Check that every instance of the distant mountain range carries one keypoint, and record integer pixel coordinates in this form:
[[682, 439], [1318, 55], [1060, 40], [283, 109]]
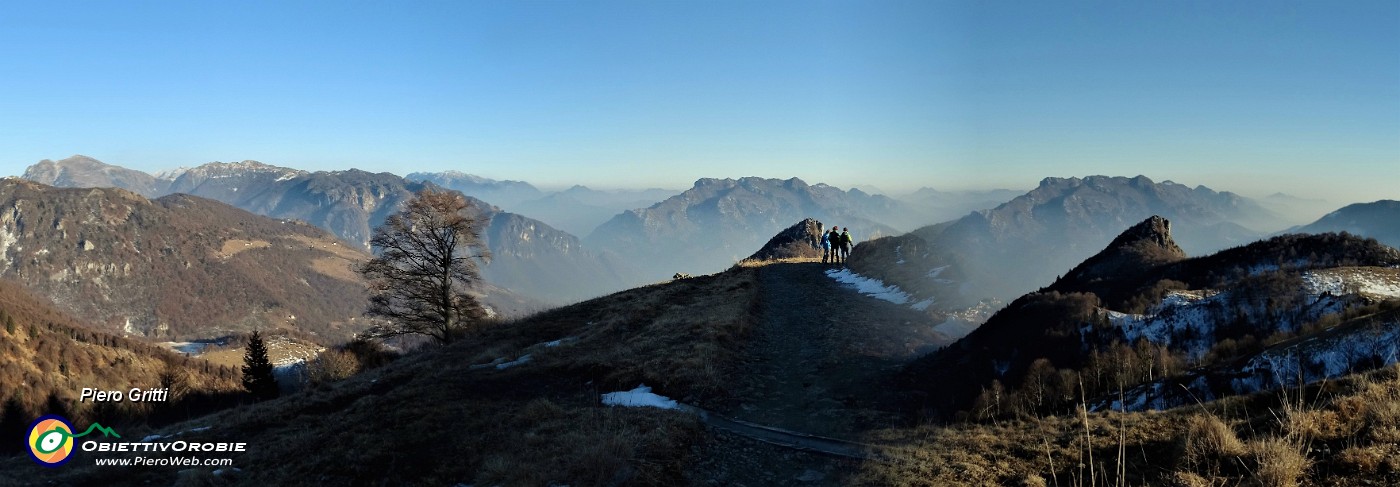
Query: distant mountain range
[[721, 221], [529, 257], [1298, 210], [505, 194], [1379, 220], [577, 210], [1011, 249], [941, 206], [991, 249]]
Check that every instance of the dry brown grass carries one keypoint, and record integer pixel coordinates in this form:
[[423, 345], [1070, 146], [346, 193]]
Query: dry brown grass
[[328, 244], [1189, 479], [752, 263], [1346, 432], [1207, 440], [336, 267], [233, 246], [679, 337], [1370, 459], [1011, 452], [279, 348], [341, 261], [1318, 424], [1281, 463]]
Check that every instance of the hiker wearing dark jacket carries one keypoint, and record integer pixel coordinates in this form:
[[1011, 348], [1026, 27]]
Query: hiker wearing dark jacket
[[835, 239], [846, 243]]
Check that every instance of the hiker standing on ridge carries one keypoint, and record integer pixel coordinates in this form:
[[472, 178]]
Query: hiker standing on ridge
[[846, 244], [826, 246], [835, 239], [817, 239]]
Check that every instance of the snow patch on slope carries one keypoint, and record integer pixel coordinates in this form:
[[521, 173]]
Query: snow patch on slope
[[524, 359], [937, 271], [639, 397], [1374, 281], [1187, 320], [870, 287], [1326, 357]]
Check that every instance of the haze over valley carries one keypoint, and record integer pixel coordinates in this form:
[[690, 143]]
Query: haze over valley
[[807, 243]]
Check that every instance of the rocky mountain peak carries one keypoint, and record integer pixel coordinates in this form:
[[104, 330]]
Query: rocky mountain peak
[[81, 171], [215, 169], [802, 240], [1155, 230], [1142, 246]]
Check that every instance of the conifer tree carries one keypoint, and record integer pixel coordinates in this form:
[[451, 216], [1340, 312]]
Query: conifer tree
[[257, 369]]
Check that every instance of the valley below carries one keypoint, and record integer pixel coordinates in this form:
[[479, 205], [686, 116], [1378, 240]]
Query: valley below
[[911, 364]]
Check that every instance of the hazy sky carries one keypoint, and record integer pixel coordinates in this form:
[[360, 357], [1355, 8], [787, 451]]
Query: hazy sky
[[1255, 97]]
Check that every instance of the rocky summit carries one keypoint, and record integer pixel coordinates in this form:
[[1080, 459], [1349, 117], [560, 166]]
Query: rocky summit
[[802, 240]]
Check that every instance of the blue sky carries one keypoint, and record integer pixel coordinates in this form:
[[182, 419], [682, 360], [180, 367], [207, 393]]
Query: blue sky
[[1256, 97]]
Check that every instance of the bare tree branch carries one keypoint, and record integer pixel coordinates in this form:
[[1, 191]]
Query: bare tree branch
[[427, 263]]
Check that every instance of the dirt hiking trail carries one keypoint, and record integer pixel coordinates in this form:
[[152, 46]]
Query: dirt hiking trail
[[822, 356]]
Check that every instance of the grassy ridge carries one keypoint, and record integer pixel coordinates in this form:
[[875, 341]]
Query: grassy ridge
[[447, 416]]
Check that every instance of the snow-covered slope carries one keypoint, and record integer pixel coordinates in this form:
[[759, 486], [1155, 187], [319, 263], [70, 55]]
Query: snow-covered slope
[[955, 322], [1188, 321]]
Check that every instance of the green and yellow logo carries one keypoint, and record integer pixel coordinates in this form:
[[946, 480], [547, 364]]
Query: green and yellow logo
[[51, 439]]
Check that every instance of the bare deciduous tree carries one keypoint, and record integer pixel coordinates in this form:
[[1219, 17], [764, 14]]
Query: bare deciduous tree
[[427, 264]]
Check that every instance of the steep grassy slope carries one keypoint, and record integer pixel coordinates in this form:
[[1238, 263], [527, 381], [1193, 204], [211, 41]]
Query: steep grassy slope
[[450, 416]]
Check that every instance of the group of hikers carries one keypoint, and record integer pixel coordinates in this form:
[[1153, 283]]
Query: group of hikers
[[836, 246]]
